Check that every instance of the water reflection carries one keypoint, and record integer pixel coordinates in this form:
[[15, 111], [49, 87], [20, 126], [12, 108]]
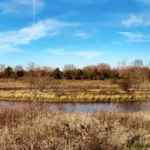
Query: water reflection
[[109, 107], [85, 107]]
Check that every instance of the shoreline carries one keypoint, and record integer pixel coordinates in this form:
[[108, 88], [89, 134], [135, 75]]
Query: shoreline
[[69, 101]]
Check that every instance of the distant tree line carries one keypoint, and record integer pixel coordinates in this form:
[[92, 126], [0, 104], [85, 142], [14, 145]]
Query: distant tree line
[[94, 72], [100, 71], [134, 75], [124, 75]]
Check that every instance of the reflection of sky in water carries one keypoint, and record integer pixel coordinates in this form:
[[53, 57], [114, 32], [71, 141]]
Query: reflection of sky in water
[[86, 107], [109, 107]]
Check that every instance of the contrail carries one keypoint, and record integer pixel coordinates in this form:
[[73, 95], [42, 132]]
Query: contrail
[[33, 10]]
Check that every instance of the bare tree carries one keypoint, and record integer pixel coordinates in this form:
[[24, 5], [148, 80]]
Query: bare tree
[[41, 78], [103, 66], [69, 71], [69, 67], [2, 69], [31, 70], [122, 68], [18, 68], [140, 76], [90, 72], [125, 81], [136, 73], [31, 66], [137, 63], [135, 77], [145, 79]]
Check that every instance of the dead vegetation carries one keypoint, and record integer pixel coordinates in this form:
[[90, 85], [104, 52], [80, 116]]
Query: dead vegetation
[[43, 130]]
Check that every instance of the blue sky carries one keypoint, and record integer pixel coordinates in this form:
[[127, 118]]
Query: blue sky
[[79, 32]]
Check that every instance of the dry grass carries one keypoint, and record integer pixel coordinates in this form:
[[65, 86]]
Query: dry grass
[[74, 96], [59, 84], [67, 91], [83, 84], [42, 130], [11, 83]]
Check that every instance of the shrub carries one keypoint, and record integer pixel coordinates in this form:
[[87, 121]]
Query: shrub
[[125, 84]]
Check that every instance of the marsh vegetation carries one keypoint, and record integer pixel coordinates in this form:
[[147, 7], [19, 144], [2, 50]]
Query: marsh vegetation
[[40, 129], [93, 83]]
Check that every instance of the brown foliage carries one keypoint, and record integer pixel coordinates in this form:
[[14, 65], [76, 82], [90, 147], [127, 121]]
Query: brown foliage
[[43, 130]]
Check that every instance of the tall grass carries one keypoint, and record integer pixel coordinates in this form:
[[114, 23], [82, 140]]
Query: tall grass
[[89, 96], [35, 128]]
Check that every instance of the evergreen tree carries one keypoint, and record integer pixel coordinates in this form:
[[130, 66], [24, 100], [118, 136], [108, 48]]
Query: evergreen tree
[[8, 71], [57, 74]]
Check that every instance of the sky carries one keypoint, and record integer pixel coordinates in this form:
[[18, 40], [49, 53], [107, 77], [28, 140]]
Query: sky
[[79, 32]]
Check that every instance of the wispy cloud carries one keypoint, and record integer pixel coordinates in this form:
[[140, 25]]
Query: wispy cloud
[[133, 21], [144, 1], [84, 54], [136, 20], [17, 6], [5, 48], [50, 27], [135, 37], [82, 35]]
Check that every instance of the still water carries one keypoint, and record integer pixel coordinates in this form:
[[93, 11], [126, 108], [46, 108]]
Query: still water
[[84, 107]]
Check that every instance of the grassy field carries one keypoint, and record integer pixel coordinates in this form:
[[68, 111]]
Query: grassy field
[[67, 91], [57, 84], [74, 96], [38, 129]]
